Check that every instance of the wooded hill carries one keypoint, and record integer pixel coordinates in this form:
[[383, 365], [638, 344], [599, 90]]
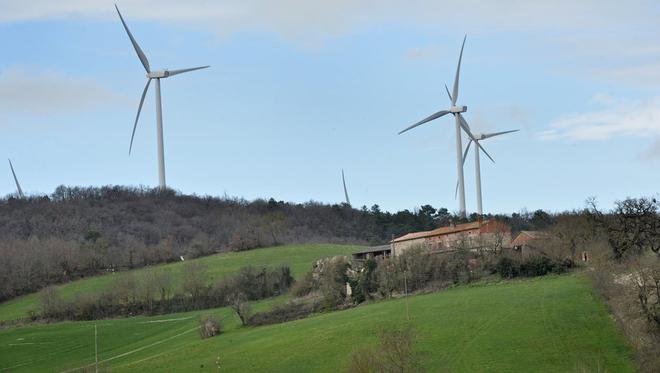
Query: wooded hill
[[82, 231]]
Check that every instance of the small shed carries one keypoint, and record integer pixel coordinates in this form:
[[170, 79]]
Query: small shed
[[374, 252]]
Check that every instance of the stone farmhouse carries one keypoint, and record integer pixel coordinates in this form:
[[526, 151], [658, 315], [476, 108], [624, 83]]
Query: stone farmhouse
[[479, 235]]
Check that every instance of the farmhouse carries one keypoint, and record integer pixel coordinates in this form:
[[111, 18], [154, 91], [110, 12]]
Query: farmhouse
[[486, 234]]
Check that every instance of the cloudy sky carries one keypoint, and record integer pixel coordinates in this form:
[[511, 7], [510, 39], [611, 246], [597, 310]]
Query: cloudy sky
[[300, 89]]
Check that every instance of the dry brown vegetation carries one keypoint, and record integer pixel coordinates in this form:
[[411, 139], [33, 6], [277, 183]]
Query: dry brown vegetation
[[395, 353]]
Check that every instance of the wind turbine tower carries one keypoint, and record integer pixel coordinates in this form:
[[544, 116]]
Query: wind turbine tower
[[476, 138], [157, 76], [456, 111]]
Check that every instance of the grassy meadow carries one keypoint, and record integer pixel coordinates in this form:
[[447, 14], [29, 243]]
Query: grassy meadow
[[549, 324], [298, 257]]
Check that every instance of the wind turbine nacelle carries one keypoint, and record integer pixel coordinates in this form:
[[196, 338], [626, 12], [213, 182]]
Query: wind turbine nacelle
[[458, 109], [158, 74]]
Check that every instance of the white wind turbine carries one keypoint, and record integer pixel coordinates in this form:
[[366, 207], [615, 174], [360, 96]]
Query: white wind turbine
[[157, 76], [476, 138], [343, 180], [460, 123], [19, 191]]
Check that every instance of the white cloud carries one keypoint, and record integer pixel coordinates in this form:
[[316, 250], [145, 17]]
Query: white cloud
[[51, 93], [615, 117], [337, 16], [606, 40]]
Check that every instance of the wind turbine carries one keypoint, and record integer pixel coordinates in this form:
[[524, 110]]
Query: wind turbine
[[157, 76], [343, 180], [477, 166], [460, 123], [18, 186]]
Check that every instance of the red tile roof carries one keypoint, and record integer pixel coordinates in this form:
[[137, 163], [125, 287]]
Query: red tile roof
[[527, 237], [441, 231]]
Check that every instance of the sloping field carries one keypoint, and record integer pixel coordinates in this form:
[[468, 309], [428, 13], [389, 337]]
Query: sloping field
[[299, 257], [551, 324]]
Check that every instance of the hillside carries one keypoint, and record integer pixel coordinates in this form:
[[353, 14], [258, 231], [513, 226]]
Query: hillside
[[299, 257], [79, 232], [546, 324]]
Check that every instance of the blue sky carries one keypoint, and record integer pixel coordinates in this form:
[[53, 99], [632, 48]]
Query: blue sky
[[299, 90]]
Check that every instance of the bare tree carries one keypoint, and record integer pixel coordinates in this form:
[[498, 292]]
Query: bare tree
[[632, 228], [238, 302]]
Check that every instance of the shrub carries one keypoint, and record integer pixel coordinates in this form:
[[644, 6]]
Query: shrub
[[332, 281], [209, 326], [51, 302], [303, 286], [395, 353], [507, 267], [285, 312], [261, 282], [647, 279], [534, 265]]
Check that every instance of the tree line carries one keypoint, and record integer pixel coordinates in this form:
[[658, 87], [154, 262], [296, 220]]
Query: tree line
[[83, 231]]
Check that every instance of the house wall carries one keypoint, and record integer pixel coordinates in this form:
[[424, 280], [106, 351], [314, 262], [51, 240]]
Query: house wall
[[399, 248]]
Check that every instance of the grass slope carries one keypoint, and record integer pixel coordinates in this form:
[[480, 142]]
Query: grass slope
[[299, 257], [548, 324]]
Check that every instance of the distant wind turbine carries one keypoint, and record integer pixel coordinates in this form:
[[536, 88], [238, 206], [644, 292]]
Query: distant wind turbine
[[19, 191], [155, 75], [477, 166], [343, 180], [460, 123]]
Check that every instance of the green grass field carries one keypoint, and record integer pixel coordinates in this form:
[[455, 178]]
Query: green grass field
[[299, 257], [551, 324]]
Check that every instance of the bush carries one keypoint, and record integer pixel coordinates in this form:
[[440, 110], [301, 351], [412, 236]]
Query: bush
[[261, 282], [152, 294], [332, 281], [51, 302], [534, 265], [209, 326], [395, 353], [285, 312], [507, 267], [303, 286], [647, 279]]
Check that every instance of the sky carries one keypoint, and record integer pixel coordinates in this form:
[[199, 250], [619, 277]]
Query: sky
[[299, 89]]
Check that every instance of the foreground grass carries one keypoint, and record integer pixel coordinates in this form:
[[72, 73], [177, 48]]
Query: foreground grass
[[548, 324], [299, 257]]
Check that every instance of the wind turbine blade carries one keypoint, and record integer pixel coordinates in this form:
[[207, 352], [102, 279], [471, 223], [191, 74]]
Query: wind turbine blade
[[448, 94], [18, 186], [144, 93], [181, 71], [343, 179], [428, 119], [465, 126], [497, 134], [467, 148], [484, 150], [458, 73], [139, 52]]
